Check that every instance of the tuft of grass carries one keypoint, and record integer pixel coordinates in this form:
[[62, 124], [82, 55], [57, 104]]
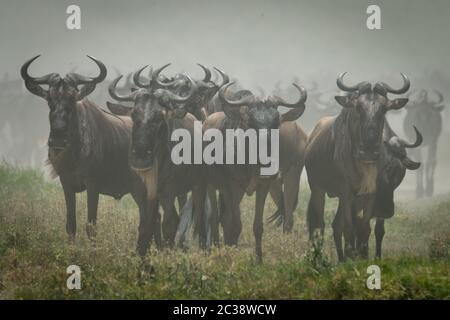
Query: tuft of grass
[[35, 253]]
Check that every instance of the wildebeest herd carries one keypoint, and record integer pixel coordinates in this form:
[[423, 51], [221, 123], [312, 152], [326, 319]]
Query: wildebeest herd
[[354, 155]]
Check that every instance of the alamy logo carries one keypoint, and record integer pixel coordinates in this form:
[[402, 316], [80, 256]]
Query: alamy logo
[[74, 280], [374, 280], [73, 21], [373, 21], [241, 147]]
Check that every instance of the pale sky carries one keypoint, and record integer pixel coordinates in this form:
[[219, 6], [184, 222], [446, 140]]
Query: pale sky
[[256, 41]]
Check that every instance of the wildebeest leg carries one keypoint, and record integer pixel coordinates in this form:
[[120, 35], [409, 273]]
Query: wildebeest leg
[[363, 234], [346, 202], [291, 181], [315, 211], [214, 216], [71, 223], [430, 168], [92, 203], [261, 194], [156, 230], [237, 195], [338, 228], [147, 220], [379, 234], [276, 192], [226, 215], [365, 229], [198, 207], [170, 221]]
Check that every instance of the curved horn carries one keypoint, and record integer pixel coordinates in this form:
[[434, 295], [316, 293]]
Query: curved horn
[[440, 96], [342, 86], [225, 77], [237, 103], [207, 77], [27, 77], [418, 142], [118, 97], [80, 79], [402, 90], [136, 78], [410, 164], [33, 84], [103, 70], [176, 98], [299, 104], [155, 76]]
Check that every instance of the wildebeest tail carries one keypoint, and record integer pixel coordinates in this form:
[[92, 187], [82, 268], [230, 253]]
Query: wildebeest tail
[[52, 172]]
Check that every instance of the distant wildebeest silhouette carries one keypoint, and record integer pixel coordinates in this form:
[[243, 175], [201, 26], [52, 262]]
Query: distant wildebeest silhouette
[[426, 115]]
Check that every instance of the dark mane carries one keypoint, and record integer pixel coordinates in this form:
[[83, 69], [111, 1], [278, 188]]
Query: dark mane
[[342, 136]]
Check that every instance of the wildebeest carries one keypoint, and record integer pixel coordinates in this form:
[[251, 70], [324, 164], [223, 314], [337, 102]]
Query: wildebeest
[[342, 159], [394, 162], [156, 114], [204, 99], [426, 115], [284, 189], [246, 111], [88, 147]]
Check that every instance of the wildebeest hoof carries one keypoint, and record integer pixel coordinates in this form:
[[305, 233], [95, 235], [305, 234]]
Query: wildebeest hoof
[[71, 238], [287, 226], [91, 231], [146, 271]]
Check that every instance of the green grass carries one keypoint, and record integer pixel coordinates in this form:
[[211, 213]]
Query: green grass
[[35, 252]]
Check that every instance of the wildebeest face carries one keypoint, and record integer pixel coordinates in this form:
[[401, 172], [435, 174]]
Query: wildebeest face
[[262, 115], [205, 90], [150, 114], [367, 124], [367, 114], [254, 113], [62, 95], [62, 99], [149, 131], [428, 106]]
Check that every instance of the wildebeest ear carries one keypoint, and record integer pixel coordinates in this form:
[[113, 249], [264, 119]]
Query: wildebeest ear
[[119, 109], [410, 165], [292, 115], [396, 103], [345, 101]]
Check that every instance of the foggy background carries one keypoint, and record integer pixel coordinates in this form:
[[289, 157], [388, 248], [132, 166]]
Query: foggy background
[[262, 44]]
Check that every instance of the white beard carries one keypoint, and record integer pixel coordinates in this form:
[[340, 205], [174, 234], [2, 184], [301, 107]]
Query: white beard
[[369, 174], [150, 179]]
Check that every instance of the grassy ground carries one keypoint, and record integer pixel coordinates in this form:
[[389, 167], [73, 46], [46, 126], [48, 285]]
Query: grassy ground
[[35, 252]]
